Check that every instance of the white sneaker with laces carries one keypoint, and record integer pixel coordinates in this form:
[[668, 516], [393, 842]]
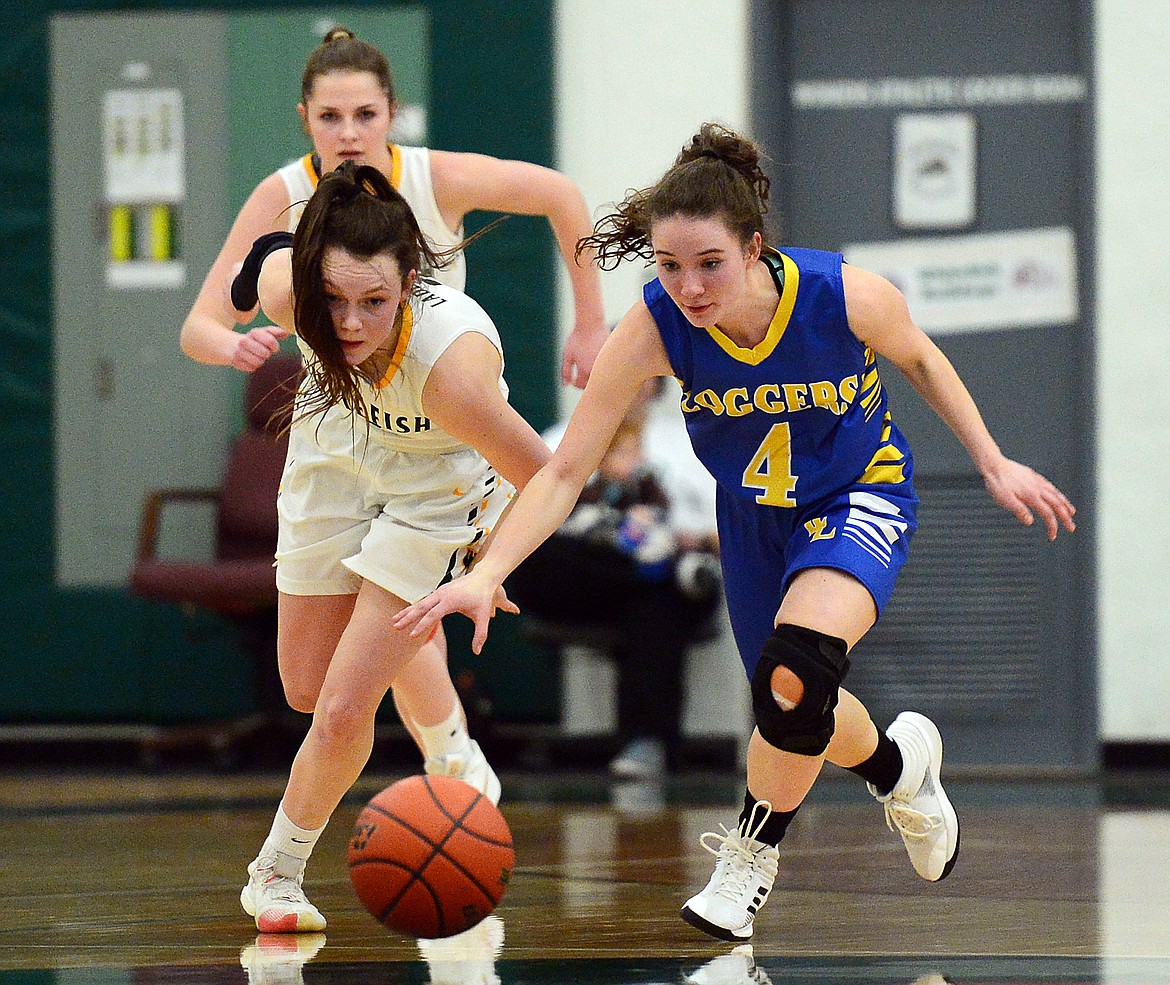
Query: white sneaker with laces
[[917, 808], [470, 766], [278, 959], [744, 872], [737, 968], [277, 902]]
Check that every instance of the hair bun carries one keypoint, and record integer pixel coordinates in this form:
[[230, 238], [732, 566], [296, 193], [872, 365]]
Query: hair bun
[[339, 34]]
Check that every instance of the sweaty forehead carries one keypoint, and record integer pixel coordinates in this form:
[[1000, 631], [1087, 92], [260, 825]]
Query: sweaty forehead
[[342, 270]]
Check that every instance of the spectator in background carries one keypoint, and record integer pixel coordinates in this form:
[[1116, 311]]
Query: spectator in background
[[638, 556]]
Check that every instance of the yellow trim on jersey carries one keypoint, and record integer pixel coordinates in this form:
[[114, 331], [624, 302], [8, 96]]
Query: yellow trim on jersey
[[307, 164], [762, 350], [871, 385], [395, 167], [399, 348], [889, 461]]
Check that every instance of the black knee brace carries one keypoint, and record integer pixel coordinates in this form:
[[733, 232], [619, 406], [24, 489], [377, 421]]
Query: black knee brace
[[821, 663]]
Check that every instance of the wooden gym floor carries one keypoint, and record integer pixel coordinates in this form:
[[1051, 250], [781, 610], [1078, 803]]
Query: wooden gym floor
[[119, 876]]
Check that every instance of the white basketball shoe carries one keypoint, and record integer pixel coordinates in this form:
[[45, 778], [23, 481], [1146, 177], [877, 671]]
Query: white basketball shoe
[[744, 872], [470, 766], [278, 902], [917, 808]]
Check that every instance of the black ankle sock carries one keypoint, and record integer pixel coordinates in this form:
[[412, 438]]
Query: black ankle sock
[[773, 829], [883, 768]]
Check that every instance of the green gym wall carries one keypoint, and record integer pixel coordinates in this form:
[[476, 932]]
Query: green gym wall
[[98, 654]]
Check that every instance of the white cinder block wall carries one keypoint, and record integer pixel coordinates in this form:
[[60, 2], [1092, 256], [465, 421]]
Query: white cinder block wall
[[1132, 69]]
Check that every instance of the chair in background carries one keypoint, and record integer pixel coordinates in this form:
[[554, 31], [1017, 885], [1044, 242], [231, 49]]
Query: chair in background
[[239, 582]]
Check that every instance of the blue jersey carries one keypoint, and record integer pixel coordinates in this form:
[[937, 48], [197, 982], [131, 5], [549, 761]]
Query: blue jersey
[[799, 416], [811, 471]]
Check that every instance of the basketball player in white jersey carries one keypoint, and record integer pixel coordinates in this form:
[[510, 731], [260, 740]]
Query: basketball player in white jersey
[[403, 454], [347, 106]]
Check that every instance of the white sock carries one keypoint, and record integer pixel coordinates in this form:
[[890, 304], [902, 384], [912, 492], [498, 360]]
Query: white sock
[[448, 736], [289, 845]]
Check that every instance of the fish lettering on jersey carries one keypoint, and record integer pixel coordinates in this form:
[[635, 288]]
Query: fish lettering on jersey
[[775, 398], [403, 424]]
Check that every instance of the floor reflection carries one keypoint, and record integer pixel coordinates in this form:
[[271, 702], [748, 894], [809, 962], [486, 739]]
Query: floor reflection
[[126, 882], [738, 966]]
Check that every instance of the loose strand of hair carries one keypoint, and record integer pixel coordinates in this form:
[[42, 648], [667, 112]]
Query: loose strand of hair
[[621, 234]]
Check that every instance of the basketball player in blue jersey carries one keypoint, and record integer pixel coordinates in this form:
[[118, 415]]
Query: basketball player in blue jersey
[[775, 350], [347, 107]]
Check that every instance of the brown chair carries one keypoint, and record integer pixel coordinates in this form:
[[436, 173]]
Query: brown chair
[[240, 581]]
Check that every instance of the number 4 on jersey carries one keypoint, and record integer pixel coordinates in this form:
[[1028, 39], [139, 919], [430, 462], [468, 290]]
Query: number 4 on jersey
[[771, 469]]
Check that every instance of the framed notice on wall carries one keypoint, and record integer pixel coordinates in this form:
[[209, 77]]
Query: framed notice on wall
[[982, 281], [934, 171]]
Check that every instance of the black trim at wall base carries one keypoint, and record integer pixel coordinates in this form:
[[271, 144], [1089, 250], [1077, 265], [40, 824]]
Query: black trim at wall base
[[266, 743], [1135, 755]]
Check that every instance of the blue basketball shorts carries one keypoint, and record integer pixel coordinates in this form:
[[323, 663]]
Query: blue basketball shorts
[[863, 530]]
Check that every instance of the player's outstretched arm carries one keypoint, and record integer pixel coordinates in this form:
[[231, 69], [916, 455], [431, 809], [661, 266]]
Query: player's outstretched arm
[[633, 353], [470, 182], [879, 317], [209, 332], [474, 595]]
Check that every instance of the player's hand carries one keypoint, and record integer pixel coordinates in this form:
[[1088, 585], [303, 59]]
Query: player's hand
[[581, 349], [476, 598], [254, 347], [1025, 492]]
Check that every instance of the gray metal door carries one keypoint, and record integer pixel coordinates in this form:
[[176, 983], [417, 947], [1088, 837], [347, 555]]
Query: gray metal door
[[910, 134], [139, 147]]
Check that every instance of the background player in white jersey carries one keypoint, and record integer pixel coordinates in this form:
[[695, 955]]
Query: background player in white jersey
[[347, 106], [775, 350], [402, 455]]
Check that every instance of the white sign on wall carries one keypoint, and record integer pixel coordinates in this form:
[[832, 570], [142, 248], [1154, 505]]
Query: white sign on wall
[[145, 182], [980, 282], [934, 170], [143, 145]]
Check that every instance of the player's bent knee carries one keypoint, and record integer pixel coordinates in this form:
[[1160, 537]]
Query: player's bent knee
[[301, 700], [820, 663]]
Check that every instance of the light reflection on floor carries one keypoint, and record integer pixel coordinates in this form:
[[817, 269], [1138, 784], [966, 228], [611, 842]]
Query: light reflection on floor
[[1061, 882]]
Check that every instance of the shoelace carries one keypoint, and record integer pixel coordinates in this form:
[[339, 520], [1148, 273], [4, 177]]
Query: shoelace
[[284, 889], [736, 852], [907, 820]]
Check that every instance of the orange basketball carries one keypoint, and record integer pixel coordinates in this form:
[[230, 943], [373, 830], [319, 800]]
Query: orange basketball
[[430, 856]]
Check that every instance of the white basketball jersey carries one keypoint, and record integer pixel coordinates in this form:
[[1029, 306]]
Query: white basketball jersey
[[434, 319]]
